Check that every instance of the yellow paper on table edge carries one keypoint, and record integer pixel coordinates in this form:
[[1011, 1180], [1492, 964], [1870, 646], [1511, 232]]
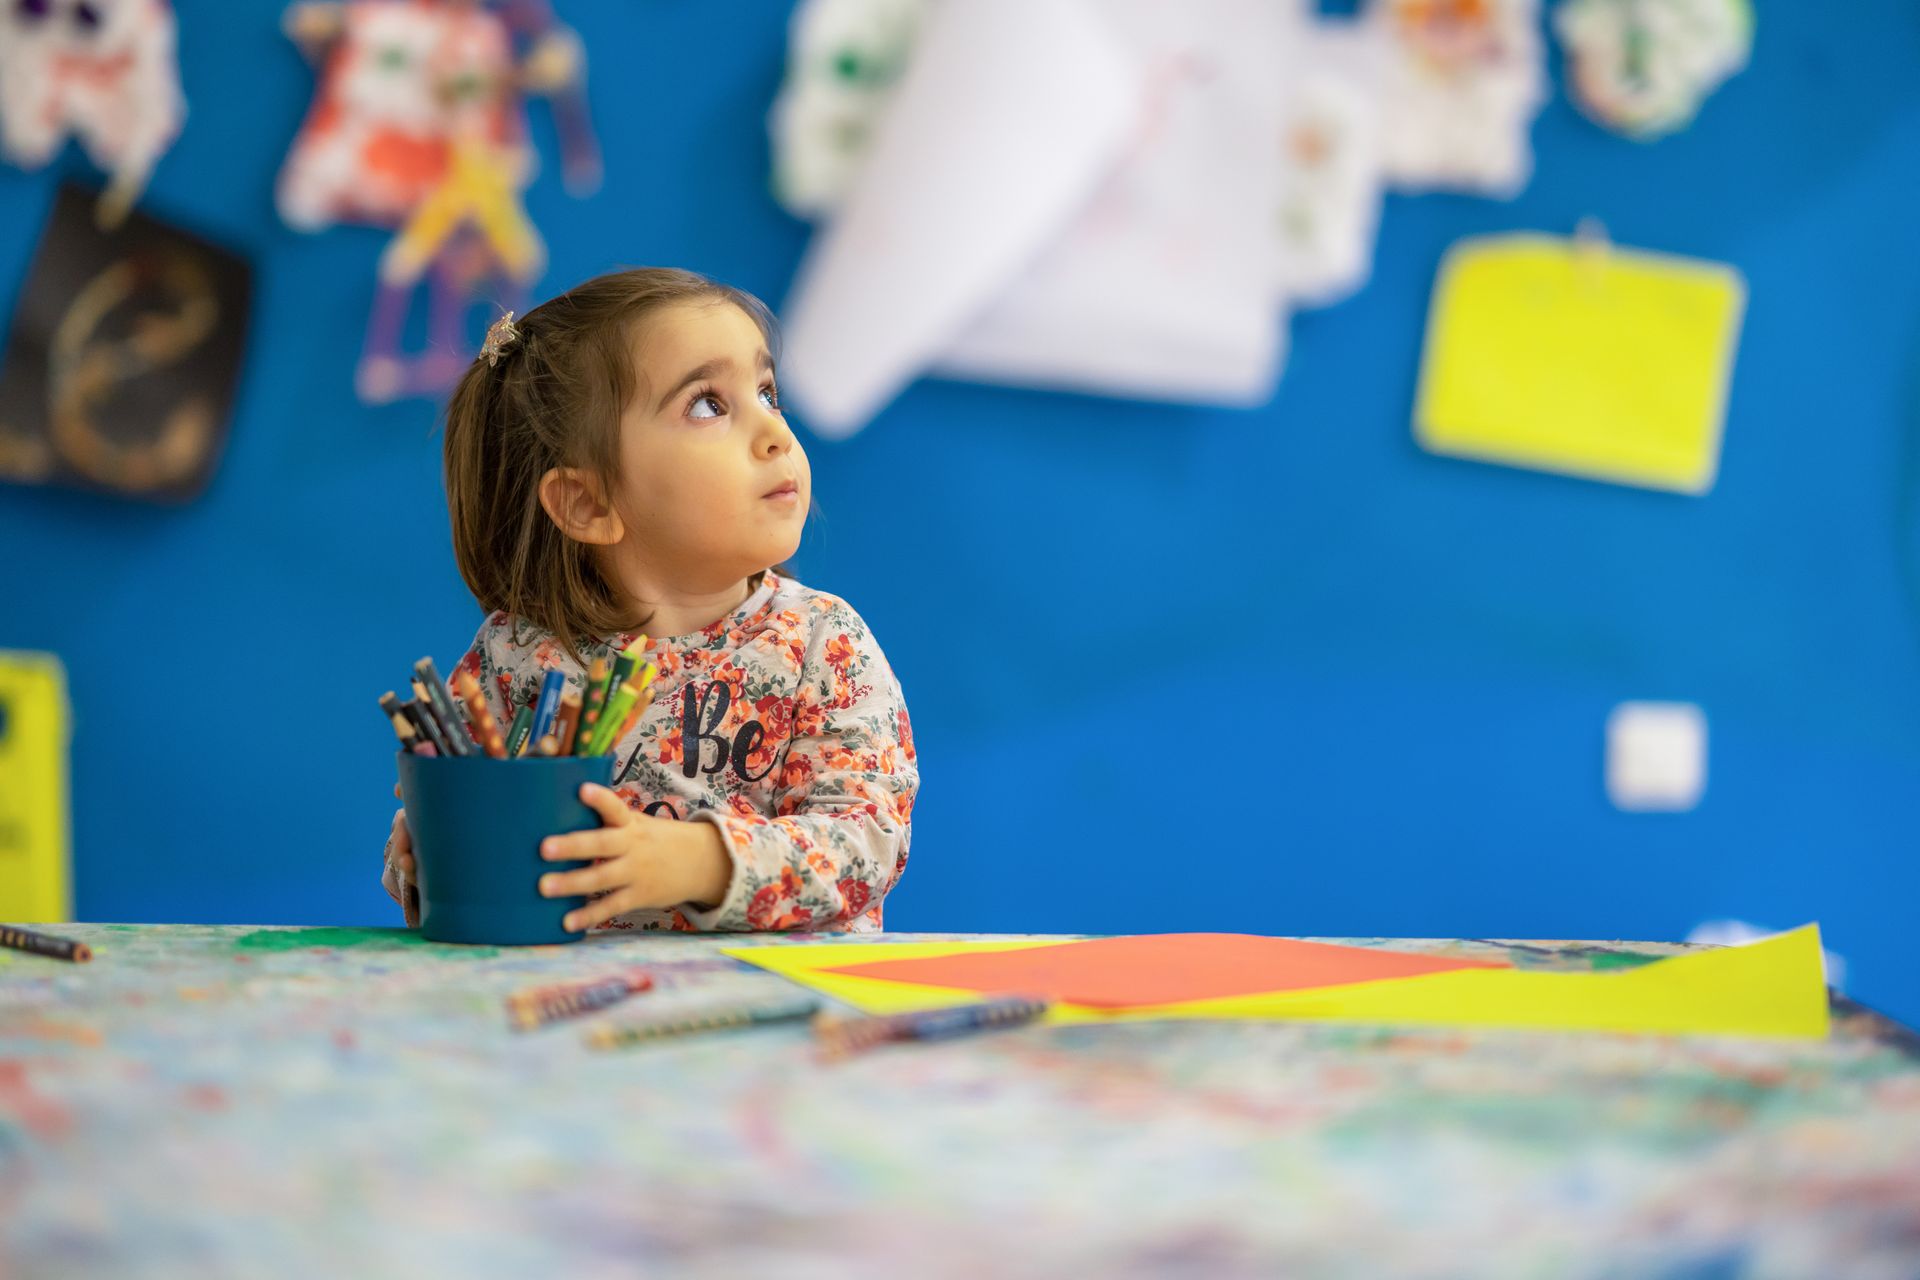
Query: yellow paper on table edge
[[1773, 987], [1585, 359]]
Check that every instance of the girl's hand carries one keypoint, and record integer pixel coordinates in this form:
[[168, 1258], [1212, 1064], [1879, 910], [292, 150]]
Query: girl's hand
[[397, 878], [639, 861]]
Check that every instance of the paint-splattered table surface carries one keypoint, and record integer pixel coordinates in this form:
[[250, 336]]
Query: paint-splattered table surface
[[325, 1102]]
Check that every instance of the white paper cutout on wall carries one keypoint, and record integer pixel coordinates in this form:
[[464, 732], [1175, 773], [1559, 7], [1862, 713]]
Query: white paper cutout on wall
[[1062, 194], [1463, 82], [104, 72], [954, 202], [1330, 173], [1643, 67], [844, 60]]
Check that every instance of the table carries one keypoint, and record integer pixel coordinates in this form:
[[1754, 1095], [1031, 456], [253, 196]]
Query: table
[[321, 1102]]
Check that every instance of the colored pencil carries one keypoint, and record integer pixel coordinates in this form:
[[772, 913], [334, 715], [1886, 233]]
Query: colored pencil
[[741, 1013], [428, 727], [547, 705], [410, 739], [567, 723], [595, 694], [840, 1036], [452, 723], [537, 1006], [522, 730], [626, 664], [44, 944], [486, 727]]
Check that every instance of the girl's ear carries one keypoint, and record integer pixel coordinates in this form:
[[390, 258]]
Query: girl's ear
[[578, 506]]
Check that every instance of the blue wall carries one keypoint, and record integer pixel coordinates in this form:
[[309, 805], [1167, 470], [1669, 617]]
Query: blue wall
[[1171, 669]]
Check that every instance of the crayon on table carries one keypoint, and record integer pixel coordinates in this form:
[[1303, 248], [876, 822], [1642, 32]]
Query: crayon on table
[[538, 1006], [486, 727], [840, 1036], [742, 1013], [44, 944]]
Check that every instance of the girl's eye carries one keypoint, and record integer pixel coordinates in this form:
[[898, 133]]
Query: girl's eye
[[706, 405], [770, 397]]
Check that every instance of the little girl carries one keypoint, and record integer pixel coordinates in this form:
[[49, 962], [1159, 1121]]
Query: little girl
[[617, 464]]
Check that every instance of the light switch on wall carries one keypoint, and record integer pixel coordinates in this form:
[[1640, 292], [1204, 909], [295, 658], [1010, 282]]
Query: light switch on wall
[[1656, 756]]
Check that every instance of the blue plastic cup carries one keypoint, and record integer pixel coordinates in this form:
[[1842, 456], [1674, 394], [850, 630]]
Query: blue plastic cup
[[477, 824]]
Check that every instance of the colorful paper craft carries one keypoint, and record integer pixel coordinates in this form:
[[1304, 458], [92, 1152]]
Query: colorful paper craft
[[1775, 987], [1576, 356], [1157, 969]]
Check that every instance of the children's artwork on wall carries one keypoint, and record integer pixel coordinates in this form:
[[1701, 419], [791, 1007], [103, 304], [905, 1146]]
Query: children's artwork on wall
[[1575, 356], [845, 57], [122, 357], [1463, 82], [1643, 67], [1331, 165], [34, 875], [419, 124], [1065, 194], [104, 72]]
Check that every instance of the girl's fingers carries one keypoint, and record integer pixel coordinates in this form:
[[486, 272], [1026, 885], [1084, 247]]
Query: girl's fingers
[[607, 803], [599, 911], [607, 842], [571, 884]]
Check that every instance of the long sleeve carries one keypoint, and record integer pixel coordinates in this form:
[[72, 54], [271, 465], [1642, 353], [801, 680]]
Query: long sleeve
[[843, 807]]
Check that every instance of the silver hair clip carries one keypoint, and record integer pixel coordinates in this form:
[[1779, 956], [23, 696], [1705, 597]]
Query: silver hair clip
[[500, 335]]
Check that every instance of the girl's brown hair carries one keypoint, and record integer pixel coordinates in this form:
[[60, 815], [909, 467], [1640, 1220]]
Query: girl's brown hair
[[554, 399]]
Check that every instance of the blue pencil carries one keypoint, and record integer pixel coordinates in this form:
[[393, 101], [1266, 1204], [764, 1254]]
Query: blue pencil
[[547, 707]]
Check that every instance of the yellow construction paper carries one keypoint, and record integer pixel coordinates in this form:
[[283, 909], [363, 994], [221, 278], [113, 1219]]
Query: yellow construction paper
[[803, 963], [34, 878], [1774, 987], [1576, 356]]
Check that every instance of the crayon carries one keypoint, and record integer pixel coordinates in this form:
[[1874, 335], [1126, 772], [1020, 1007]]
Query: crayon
[[596, 693], [43, 944], [567, 723], [537, 1006], [840, 1036], [425, 724], [613, 717], [547, 705], [740, 1013], [452, 723], [640, 706], [410, 739], [429, 720], [626, 664], [522, 730], [486, 728]]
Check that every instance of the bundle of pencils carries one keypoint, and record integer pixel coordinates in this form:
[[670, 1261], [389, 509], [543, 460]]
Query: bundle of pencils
[[438, 721], [538, 1006]]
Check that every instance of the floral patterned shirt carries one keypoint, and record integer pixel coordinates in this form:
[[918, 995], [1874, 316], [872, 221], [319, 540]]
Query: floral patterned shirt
[[781, 724]]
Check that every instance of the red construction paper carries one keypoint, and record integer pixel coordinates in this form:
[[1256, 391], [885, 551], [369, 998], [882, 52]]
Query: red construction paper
[[1164, 968]]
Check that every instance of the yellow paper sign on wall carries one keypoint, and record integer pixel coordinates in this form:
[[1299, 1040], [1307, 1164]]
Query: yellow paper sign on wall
[[1576, 356], [34, 879]]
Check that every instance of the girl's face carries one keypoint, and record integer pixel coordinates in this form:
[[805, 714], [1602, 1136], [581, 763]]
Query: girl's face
[[713, 485]]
